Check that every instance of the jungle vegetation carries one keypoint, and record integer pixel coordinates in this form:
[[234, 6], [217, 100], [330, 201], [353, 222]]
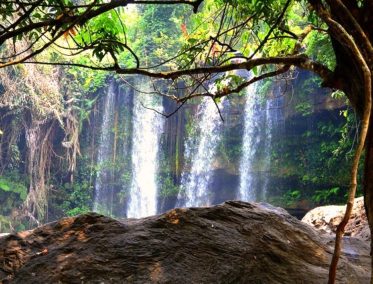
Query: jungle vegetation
[[331, 38]]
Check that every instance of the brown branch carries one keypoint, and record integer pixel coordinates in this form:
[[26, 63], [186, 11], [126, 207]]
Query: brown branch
[[23, 16], [24, 50], [345, 38], [357, 28], [214, 39], [301, 61], [41, 49], [293, 35], [228, 46], [239, 88], [218, 108], [255, 79], [153, 109], [166, 115]]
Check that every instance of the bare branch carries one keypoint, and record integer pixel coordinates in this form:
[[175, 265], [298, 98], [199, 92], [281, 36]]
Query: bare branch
[[239, 88]]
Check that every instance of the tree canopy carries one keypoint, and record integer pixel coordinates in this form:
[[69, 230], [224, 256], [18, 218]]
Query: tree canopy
[[272, 34]]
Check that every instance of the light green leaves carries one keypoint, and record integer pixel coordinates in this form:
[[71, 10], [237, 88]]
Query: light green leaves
[[8, 185]]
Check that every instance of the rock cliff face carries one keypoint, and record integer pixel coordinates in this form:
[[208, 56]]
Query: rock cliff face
[[234, 242]]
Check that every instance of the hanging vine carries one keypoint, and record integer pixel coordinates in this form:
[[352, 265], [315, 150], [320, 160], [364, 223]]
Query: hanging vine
[[35, 96]]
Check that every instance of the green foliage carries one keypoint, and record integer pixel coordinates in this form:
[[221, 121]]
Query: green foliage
[[265, 87], [158, 32], [15, 156], [230, 150], [318, 164], [291, 197], [73, 198], [319, 48], [13, 191], [84, 86], [326, 195], [155, 33], [167, 186], [230, 81], [304, 108], [86, 80], [79, 196], [106, 31], [12, 186], [348, 133], [190, 126], [5, 224]]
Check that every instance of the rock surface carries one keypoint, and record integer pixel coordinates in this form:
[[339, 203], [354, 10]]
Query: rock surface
[[327, 218], [235, 242]]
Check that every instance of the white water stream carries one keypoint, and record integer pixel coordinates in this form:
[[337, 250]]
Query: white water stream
[[103, 192], [147, 129], [200, 150], [250, 144]]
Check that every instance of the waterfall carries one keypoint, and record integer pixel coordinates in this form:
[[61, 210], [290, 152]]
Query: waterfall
[[128, 150], [200, 150], [275, 122], [260, 126], [250, 144], [147, 128], [103, 190]]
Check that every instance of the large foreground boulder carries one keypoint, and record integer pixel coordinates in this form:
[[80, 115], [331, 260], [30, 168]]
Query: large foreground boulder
[[327, 218], [235, 242]]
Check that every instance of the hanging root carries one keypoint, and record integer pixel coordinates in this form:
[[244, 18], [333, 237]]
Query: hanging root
[[71, 141], [39, 144]]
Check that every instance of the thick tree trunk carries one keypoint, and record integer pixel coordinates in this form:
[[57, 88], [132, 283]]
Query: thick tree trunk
[[353, 50], [368, 181], [350, 76]]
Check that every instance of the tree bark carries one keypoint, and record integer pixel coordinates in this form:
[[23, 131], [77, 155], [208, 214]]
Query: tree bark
[[354, 50], [368, 182]]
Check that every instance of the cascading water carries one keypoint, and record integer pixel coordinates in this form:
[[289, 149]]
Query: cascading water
[[267, 147], [103, 190], [250, 144], [201, 153], [275, 120], [261, 123], [147, 128]]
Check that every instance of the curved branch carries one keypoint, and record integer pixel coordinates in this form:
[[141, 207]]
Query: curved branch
[[23, 16], [301, 61], [345, 38], [239, 88], [357, 28], [41, 49]]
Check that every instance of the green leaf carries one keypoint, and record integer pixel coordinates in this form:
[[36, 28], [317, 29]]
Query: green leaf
[[255, 70], [4, 186]]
